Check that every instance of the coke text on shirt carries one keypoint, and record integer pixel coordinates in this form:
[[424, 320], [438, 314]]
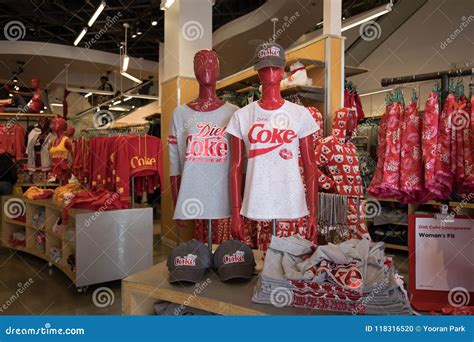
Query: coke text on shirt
[[258, 134]]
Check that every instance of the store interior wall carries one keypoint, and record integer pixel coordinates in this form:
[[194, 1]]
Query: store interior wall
[[420, 46]]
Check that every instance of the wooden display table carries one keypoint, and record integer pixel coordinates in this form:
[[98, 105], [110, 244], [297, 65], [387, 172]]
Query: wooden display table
[[106, 245], [140, 291]]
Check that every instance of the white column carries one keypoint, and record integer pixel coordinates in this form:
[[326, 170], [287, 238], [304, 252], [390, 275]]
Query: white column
[[161, 69], [332, 13], [188, 29]]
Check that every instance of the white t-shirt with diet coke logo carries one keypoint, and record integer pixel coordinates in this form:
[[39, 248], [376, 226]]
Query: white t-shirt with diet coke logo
[[273, 185], [199, 151]]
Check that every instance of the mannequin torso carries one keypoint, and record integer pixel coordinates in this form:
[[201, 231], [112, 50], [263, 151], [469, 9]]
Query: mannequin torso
[[206, 70], [272, 100]]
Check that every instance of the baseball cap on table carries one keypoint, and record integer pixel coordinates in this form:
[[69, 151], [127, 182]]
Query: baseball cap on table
[[189, 261], [269, 55], [234, 259]]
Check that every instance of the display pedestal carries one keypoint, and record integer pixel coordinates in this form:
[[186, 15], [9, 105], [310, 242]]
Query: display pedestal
[[140, 291]]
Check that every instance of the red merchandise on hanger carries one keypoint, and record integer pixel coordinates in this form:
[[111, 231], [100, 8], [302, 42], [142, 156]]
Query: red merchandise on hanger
[[12, 140], [337, 159], [429, 138], [411, 170]]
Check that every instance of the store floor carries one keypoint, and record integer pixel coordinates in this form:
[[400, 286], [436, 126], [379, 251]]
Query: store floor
[[51, 292]]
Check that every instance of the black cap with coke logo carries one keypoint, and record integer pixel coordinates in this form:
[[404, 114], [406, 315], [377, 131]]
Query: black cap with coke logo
[[234, 259], [269, 55], [189, 262]]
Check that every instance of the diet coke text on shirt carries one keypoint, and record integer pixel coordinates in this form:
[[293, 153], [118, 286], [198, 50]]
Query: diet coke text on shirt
[[207, 145]]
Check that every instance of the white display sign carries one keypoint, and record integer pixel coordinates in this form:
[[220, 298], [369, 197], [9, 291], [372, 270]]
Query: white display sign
[[444, 254]]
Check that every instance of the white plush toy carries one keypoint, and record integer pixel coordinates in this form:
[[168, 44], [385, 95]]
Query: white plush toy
[[296, 76]]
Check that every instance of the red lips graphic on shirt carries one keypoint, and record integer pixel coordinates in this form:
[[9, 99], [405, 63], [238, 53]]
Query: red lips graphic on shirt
[[286, 154], [258, 134]]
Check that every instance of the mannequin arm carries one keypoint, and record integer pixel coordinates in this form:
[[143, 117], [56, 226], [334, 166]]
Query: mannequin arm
[[175, 185], [237, 160], [310, 175]]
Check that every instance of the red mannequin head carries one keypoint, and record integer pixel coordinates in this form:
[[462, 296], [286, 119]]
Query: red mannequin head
[[58, 126], [35, 83], [70, 132], [271, 76], [206, 67]]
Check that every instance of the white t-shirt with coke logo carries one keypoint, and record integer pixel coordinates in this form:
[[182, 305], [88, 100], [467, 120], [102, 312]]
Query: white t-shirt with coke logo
[[273, 185]]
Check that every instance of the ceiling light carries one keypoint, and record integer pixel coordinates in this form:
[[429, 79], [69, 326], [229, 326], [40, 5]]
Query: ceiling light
[[57, 105], [41, 111], [80, 36], [134, 36], [166, 4], [96, 14], [88, 94], [15, 79], [17, 88], [139, 33], [134, 79], [127, 98], [154, 23], [367, 16], [119, 108], [126, 61], [116, 102]]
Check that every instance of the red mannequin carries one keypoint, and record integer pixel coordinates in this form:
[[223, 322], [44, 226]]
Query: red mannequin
[[59, 157], [70, 132], [206, 70], [35, 105], [271, 100]]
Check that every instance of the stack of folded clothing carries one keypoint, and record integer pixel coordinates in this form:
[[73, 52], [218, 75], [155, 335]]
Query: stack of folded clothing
[[353, 276], [62, 193]]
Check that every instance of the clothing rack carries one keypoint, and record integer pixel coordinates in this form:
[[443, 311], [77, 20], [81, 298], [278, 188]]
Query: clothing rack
[[444, 76], [139, 129]]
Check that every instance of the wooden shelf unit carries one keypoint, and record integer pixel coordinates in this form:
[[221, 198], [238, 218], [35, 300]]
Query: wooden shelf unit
[[411, 209], [92, 244]]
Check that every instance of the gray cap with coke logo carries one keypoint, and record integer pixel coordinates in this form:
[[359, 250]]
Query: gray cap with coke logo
[[269, 55]]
